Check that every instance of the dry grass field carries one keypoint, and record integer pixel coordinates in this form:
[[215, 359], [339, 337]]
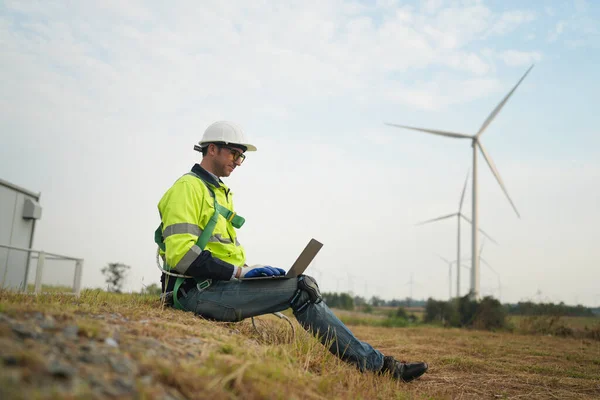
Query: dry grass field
[[105, 345]]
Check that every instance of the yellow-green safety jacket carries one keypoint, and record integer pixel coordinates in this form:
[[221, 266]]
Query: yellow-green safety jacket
[[185, 210]]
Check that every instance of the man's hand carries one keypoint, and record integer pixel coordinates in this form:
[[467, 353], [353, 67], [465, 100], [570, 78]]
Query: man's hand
[[260, 270]]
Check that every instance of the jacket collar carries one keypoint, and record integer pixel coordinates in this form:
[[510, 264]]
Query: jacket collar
[[206, 176]]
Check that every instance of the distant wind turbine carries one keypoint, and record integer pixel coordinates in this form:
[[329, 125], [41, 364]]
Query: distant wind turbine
[[462, 266], [487, 264], [538, 295], [411, 283], [458, 216], [316, 271], [449, 275], [350, 283], [476, 143]]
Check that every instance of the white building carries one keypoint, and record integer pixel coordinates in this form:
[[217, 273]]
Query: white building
[[19, 211]]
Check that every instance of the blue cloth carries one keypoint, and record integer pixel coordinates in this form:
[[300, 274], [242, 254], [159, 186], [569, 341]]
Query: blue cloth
[[236, 300]]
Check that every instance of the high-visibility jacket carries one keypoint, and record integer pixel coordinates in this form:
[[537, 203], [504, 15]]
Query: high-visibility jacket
[[185, 210]]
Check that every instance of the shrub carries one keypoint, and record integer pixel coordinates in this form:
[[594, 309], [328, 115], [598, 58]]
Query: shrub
[[545, 325], [339, 300], [465, 312], [115, 274], [592, 333], [441, 312], [467, 308], [401, 313], [152, 289], [489, 315]]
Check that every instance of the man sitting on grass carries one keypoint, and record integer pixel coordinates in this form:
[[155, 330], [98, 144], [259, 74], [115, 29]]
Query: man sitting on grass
[[205, 261]]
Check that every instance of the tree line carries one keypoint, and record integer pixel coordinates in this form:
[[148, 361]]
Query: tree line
[[560, 309]]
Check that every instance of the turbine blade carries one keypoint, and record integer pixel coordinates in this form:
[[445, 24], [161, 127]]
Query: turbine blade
[[436, 219], [491, 117], [435, 132], [443, 258], [490, 163], [479, 229], [462, 196], [487, 264]]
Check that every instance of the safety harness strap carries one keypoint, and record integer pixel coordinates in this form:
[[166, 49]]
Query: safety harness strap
[[236, 220]]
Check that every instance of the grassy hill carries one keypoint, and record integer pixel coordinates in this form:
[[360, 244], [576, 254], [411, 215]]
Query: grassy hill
[[104, 345]]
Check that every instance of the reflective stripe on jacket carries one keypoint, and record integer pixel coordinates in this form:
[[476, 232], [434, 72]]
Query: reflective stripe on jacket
[[185, 209]]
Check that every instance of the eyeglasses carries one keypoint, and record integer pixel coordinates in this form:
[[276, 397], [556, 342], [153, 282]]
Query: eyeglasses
[[237, 155]]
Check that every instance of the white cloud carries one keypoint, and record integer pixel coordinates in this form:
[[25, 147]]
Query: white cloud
[[511, 20], [577, 27], [468, 62], [432, 6], [581, 6], [272, 111], [160, 54], [514, 58], [558, 30], [440, 93]]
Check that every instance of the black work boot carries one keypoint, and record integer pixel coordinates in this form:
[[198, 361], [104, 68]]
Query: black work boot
[[402, 370]]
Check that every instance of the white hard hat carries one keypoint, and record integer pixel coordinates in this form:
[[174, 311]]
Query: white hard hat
[[224, 132]]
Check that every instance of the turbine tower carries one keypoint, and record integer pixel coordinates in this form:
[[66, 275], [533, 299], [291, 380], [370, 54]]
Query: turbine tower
[[458, 215], [476, 143]]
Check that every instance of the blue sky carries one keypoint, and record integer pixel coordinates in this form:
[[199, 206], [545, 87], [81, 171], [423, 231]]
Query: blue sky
[[101, 104]]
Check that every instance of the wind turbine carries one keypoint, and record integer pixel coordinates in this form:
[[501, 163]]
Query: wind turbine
[[497, 277], [411, 283], [538, 295], [458, 266], [449, 275], [458, 216], [487, 264], [350, 283], [316, 271], [461, 266], [476, 143]]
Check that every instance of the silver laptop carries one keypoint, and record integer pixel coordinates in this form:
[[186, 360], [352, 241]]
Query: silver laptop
[[302, 262]]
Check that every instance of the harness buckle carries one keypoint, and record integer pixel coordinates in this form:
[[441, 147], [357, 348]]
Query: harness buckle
[[204, 284]]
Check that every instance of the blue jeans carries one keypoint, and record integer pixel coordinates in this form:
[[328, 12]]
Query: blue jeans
[[232, 301]]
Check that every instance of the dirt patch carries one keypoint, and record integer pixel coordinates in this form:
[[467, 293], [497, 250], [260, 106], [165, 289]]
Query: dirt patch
[[94, 355]]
